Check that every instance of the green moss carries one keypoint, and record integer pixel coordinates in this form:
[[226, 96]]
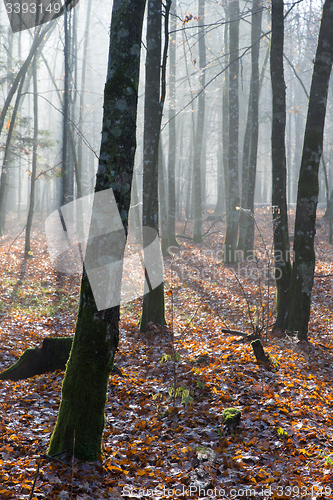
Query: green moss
[[118, 85], [231, 417]]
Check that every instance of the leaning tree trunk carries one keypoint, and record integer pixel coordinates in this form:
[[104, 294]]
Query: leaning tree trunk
[[298, 300], [6, 160], [197, 184], [40, 38], [229, 250], [153, 301], [81, 412], [279, 196], [27, 249]]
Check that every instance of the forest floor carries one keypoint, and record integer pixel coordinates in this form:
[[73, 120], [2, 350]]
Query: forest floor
[[157, 446]]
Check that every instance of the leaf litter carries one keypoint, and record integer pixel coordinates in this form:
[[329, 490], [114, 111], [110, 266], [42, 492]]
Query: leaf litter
[[160, 442]]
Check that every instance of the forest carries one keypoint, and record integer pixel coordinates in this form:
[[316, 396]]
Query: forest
[[166, 211]]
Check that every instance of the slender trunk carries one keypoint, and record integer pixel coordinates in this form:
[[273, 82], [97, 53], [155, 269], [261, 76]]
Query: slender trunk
[[279, 174], [85, 384], [27, 249], [229, 250], [153, 301], [246, 223], [197, 186], [172, 133], [83, 171], [252, 166], [164, 214], [223, 191], [6, 161], [39, 40], [67, 174]]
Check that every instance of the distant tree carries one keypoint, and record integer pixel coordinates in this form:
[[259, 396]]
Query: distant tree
[[80, 420], [279, 174], [172, 132], [249, 164], [230, 242], [153, 301], [199, 131], [27, 248]]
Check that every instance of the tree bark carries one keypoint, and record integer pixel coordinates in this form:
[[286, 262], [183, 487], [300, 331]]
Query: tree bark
[[298, 300], [279, 196], [97, 332]]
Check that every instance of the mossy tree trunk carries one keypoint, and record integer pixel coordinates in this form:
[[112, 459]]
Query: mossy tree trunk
[[279, 197], [298, 300], [84, 389], [153, 301]]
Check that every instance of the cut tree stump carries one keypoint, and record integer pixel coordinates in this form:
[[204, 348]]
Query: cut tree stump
[[263, 359], [52, 356]]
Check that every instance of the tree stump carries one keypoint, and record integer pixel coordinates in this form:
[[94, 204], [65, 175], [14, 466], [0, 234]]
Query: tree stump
[[231, 418], [263, 359]]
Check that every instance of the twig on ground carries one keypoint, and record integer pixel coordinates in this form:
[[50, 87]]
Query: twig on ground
[[35, 480]]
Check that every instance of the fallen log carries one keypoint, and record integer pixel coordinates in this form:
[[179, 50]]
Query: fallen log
[[52, 356]]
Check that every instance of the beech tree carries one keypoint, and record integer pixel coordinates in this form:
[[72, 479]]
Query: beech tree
[[298, 301], [153, 301], [229, 250], [80, 420]]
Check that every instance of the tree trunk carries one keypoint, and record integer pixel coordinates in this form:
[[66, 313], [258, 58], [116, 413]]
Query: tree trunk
[[229, 250], [153, 301], [298, 300], [252, 166], [6, 161], [67, 184], [83, 171], [197, 185], [224, 169], [172, 133], [39, 40], [97, 332], [250, 145], [27, 249], [164, 215], [279, 196]]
